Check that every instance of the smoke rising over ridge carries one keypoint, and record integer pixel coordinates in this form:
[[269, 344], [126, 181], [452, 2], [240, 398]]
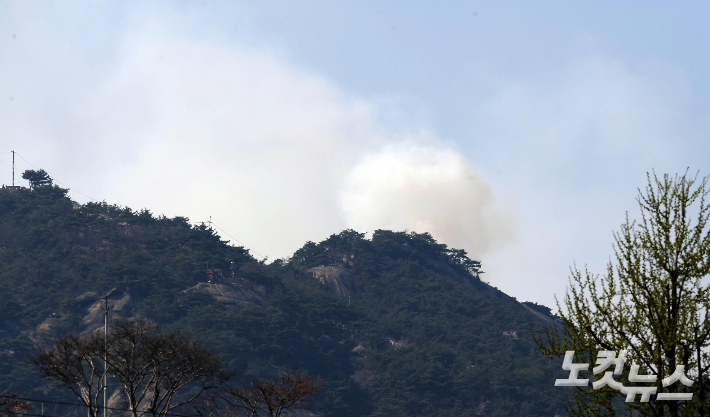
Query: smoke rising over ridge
[[287, 122], [425, 189], [276, 154]]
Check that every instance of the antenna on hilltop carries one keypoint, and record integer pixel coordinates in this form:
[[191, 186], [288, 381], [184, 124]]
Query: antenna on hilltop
[[13, 168], [210, 223]]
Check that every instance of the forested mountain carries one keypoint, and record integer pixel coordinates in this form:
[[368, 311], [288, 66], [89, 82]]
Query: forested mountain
[[395, 325]]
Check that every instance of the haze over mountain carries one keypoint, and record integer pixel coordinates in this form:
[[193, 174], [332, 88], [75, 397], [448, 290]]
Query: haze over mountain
[[543, 116]]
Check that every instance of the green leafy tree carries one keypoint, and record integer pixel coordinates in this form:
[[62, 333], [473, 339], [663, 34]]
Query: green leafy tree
[[37, 178], [652, 302]]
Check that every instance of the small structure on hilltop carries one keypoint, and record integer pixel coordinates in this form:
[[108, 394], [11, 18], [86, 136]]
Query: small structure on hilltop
[[218, 275], [12, 188]]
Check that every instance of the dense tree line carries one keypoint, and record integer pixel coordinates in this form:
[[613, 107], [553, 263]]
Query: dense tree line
[[421, 335]]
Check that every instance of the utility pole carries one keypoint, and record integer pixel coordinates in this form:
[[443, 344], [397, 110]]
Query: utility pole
[[13, 168], [105, 309]]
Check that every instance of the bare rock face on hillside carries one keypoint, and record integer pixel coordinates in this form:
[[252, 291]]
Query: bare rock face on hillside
[[117, 303], [537, 314], [122, 305], [337, 279], [231, 293]]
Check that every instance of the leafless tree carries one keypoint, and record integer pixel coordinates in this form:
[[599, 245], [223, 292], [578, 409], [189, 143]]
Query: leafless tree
[[75, 363], [10, 406], [157, 371], [262, 398], [153, 367]]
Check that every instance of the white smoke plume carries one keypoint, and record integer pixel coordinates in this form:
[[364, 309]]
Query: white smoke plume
[[196, 126], [425, 189]]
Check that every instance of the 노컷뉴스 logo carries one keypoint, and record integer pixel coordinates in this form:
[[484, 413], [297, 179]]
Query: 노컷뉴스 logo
[[607, 358]]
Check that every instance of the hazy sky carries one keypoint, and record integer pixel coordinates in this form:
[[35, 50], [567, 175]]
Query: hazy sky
[[517, 131]]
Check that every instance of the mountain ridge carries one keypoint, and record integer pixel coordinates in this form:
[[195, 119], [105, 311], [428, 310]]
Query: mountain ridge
[[418, 333]]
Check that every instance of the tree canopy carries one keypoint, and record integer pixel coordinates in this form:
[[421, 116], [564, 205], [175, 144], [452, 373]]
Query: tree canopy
[[152, 367], [652, 302], [37, 178]]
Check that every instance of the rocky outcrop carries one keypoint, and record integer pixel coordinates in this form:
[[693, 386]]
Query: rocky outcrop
[[537, 314], [231, 293], [117, 302], [121, 304], [337, 279]]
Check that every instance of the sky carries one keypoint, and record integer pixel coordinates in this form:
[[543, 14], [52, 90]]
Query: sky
[[518, 131]]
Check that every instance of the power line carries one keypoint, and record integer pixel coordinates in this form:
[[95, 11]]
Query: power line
[[58, 182], [235, 239], [32, 415], [78, 405]]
